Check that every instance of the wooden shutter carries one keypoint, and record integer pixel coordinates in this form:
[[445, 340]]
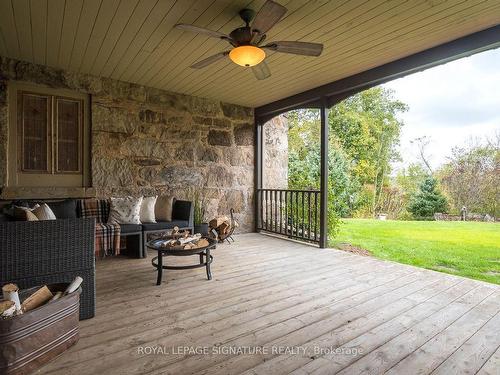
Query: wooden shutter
[[68, 142], [34, 124]]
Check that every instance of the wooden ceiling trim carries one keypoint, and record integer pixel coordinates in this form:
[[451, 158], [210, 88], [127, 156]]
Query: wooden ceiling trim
[[182, 81], [161, 40], [9, 30], [106, 13], [329, 15], [21, 10], [190, 51], [72, 13], [120, 21], [281, 79], [159, 36], [182, 38], [354, 43], [422, 44], [84, 31], [38, 16], [465, 46], [136, 21], [377, 50], [152, 22], [54, 27]]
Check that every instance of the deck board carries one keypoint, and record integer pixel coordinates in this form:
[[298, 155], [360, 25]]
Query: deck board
[[276, 295]]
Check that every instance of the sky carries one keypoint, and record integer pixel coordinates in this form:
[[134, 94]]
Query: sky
[[451, 104]]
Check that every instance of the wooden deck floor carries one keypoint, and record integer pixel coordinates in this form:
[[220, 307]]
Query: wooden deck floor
[[277, 307]]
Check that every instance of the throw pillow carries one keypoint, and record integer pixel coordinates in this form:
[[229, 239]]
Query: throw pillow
[[148, 210], [24, 213], [44, 212], [125, 210], [65, 209], [163, 208]]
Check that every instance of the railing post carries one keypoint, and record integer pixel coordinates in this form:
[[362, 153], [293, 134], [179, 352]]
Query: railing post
[[323, 215], [257, 173]]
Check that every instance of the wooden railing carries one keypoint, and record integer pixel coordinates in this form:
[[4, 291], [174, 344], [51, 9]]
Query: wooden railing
[[293, 213]]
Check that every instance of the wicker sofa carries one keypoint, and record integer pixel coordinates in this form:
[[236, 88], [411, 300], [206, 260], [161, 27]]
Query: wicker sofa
[[34, 253], [52, 251]]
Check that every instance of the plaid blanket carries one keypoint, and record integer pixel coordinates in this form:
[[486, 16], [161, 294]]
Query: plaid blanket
[[107, 235]]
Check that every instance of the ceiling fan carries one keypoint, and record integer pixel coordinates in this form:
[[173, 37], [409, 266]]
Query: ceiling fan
[[247, 41]]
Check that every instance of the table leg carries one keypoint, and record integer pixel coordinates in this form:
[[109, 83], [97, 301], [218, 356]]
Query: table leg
[[160, 268], [201, 258], [209, 273]]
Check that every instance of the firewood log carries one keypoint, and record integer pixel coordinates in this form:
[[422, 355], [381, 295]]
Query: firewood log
[[75, 284], [56, 296], [7, 309], [37, 299], [189, 239], [202, 243], [223, 228], [215, 223], [10, 293]]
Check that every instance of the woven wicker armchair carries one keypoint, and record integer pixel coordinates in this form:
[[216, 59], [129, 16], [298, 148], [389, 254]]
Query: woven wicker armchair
[[54, 251]]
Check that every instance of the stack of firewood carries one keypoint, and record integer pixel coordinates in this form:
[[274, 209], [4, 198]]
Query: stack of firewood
[[222, 227], [11, 304], [184, 240]]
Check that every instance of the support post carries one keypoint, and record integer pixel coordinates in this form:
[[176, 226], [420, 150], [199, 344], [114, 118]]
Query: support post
[[323, 215], [257, 172]]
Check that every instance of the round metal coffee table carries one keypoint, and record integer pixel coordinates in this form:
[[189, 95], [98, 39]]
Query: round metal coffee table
[[204, 252]]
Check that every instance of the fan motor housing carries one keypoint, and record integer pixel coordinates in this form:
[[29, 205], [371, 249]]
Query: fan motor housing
[[242, 35]]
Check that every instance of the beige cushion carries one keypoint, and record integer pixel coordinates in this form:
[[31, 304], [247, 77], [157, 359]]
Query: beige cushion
[[163, 208], [148, 210], [25, 213], [125, 210], [44, 212]]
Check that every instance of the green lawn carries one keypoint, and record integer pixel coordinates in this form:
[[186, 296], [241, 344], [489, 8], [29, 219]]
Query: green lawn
[[466, 249]]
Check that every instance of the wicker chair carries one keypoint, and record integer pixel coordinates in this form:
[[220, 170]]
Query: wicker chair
[[54, 251]]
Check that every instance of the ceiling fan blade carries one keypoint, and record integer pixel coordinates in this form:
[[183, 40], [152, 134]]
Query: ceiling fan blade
[[297, 48], [268, 16], [261, 71], [209, 60], [201, 30]]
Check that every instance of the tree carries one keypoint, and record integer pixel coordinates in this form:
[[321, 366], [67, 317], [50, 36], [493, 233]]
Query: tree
[[471, 178], [428, 200], [367, 127], [422, 145]]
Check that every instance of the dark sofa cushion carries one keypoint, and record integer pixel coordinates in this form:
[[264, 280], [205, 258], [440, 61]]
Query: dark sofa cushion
[[181, 210], [165, 225], [65, 209], [4, 218], [130, 228]]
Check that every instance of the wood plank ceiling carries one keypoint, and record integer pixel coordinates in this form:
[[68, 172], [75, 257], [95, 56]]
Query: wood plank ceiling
[[134, 40]]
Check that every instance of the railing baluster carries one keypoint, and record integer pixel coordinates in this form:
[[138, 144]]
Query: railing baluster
[[290, 218], [316, 216], [303, 215], [267, 209], [262, 208], [309, 215]]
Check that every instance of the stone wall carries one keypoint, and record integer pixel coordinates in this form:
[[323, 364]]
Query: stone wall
[[275, 153], [147, 141]]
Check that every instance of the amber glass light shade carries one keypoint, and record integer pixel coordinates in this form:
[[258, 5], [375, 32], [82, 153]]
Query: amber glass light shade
[[247, 55]]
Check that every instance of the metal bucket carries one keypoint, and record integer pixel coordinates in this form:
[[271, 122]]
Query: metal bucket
[[30, 340]]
